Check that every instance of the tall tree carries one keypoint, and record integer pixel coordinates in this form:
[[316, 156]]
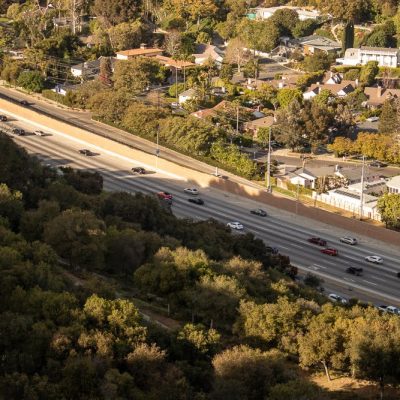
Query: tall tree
[[368, 73], [348, 36], [389, 120], [114, 12], [389, 208]]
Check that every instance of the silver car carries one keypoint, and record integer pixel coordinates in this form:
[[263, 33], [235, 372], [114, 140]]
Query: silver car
[[348, 240]]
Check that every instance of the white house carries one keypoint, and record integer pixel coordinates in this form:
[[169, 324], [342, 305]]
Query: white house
[[205, 52], [303, 178], [262, 13], [393, 185], [384, 56], [350, 200], [337, 89], [187, 95], [87, 68]]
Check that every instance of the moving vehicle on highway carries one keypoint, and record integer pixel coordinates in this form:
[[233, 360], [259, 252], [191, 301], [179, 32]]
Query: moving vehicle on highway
[[39, 133], [86, 152], [235, 225], [337, 299], [318, 241], [374, 259], [19, 132], [378, 164], [138, 170], [165, 196], [3, 118], [348, 240], [354, 271], [24, 103], [192, 191], [330, 251], [259, 212], [198, 201]]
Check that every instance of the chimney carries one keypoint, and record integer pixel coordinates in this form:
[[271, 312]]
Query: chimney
[[143, 46], [379, 91]]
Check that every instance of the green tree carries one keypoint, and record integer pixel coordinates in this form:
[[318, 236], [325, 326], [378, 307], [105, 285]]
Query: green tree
[[368, 73], [389, 120], [105, 71], [126, 35], [116, 11], [324, 343], [389, 208], [135, 75], [77, 236], [304, 28], [341, 146], [285, 19], [319, 61], [286, 96], [348, 36], [375, 351]]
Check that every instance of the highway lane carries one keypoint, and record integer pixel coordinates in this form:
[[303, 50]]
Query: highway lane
[[290, 238]]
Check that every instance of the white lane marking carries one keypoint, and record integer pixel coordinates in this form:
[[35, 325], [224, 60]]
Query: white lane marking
[[103, 150], [348, 279], [319, 266], [313, 267], [379, 279], [371, 283]]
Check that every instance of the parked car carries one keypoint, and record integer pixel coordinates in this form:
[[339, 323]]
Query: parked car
[[86, 152], [235, 225], [382, 308], [374, 259], [372, 119], [378, 164], [348, 240], [196, 200], [39, 133], [318, 241], [337, 299], [3, 118], [192, 191], [392, 310], [354, 271], [259, 212], [330, 251], [138, 170], [19, 132]]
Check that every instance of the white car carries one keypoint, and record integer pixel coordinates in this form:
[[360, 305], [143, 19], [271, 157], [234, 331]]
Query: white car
[[39, 133], [392, 310], [373, 119], [192, 191], [348, 240], [235, 225], [374, 259], [337, 299]]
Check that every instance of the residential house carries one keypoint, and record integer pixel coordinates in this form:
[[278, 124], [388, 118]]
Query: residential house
[[88, 69], [142, 51], [374, 187], [341, 89], [189, 94], [393, 185], [63, 89], [350, 200], [255, 125], [352, 175], [314, 44], [376, 96], [309, 175], [385, 57], [205, 52], [263, 13], [287, 81]]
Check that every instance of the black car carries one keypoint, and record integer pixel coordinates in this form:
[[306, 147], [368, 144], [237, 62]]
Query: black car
[[3, 118], [138, 170], [378, 164], [259, 212], [24, 103], [86, 152], [272, 250], [196, 200], [18, 132], [354, 271]]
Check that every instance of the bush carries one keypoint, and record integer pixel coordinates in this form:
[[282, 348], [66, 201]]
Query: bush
[[59, 98], [31, 80]]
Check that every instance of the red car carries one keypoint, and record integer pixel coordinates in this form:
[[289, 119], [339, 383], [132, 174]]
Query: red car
[[330, 251], [165, 196], [318, 241]]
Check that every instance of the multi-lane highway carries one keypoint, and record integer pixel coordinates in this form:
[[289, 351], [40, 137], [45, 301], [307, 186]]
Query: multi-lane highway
[[288, 232]]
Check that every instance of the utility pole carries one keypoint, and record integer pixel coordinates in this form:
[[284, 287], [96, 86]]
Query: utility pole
[[362, 190], [269, 161], [237, 120], [297, 197]]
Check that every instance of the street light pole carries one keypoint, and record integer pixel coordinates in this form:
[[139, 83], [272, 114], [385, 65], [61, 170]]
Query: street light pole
[[269, 162], [362, 189]]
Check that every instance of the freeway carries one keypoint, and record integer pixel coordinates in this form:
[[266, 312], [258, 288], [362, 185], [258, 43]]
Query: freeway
[[288, 232]]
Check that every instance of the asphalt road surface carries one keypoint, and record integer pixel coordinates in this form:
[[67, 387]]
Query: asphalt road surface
[[288, 232]]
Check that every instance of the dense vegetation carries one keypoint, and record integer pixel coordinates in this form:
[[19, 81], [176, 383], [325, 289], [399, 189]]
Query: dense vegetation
[[67, 253]]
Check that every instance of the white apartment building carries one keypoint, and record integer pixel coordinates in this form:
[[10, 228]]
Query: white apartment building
[[384, 56]]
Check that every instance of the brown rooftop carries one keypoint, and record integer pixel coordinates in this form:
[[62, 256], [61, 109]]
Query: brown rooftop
[[139, 52]]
